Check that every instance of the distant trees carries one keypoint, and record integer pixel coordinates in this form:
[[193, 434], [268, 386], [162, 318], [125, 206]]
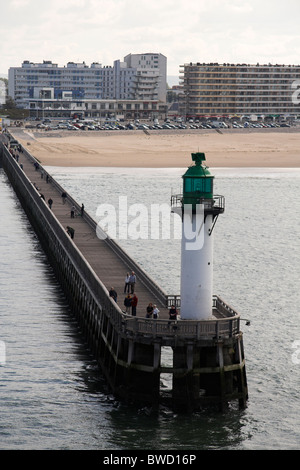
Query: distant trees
[[5, 81], [171, 96], [9, 108], [10, 103], [3, 90]]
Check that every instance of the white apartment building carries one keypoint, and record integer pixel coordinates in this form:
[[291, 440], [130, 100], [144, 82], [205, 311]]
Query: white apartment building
[[151, 77], [78, 81], [223, 90]]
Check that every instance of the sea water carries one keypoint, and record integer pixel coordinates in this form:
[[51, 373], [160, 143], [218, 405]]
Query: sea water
[[52, 395]]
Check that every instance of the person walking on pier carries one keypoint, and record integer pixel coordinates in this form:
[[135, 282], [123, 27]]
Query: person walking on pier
[[127, 303], [50, 202], [134, 302], [72, 212], [126, 286], [155, 312], [149, 310], [113, 294], [132, 281], [173, 313], [64, 197], [82, 210], [70, 231]]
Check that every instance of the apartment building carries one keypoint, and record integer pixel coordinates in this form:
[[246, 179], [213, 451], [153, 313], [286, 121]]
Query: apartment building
[[78, 81], [151, 76], [239, 89]]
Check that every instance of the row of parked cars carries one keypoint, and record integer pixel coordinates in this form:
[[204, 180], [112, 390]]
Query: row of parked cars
[[76, 126], [92, 126], [260, 124], [118, 126]]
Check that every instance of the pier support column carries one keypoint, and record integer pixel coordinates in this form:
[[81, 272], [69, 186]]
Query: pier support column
[[141, 373], [185, 382], [241, 375]]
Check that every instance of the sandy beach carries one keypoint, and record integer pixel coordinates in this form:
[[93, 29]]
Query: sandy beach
[[157, 149]]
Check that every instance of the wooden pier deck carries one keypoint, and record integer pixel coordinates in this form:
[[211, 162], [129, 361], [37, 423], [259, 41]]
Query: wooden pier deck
[[107, 265]]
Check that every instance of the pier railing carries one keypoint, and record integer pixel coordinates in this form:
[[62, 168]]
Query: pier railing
[[185, 329]]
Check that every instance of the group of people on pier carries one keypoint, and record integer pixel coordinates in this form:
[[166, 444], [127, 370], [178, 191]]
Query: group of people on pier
[[131, 300], [152, 311], [130, 303]]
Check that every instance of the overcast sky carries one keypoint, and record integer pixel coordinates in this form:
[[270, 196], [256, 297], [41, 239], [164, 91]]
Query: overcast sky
[[184, 31]]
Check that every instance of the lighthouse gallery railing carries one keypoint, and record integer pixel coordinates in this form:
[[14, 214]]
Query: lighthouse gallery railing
[[217, 202]]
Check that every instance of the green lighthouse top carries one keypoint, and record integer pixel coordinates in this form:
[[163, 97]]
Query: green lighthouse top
[[198, 157], [197, 181], [198, 170]]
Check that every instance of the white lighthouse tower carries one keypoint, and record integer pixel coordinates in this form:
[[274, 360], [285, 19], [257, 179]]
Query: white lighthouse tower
[[199, 209]]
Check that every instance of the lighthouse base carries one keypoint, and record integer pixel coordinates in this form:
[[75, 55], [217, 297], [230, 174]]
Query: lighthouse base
[[216, 375]]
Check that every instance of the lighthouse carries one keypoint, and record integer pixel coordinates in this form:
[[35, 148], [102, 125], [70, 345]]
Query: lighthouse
[[199, 209]]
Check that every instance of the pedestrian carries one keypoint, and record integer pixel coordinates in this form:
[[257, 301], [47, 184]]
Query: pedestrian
[[127, 303], [72, 212], [173, 313], [155, 312], [82, 210], [42, 196], [70, 231], [113, 294], [132, 281], [149, 310], [134, 302], [64, 197], [126, 286], [50, 202]]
